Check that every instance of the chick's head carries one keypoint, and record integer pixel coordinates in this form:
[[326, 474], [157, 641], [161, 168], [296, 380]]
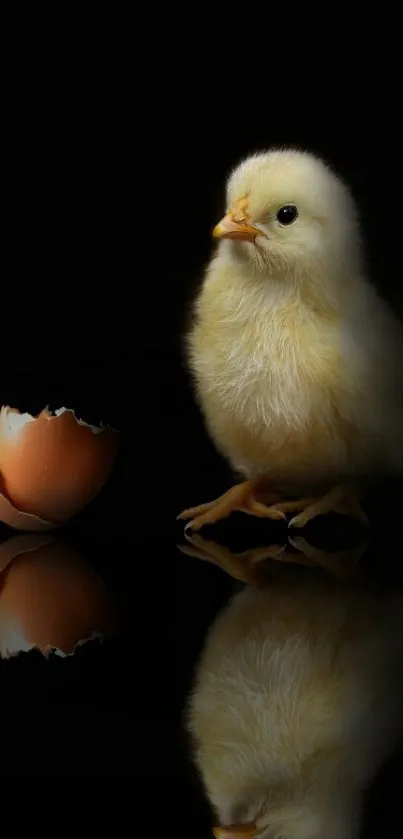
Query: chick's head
[[289, 215]]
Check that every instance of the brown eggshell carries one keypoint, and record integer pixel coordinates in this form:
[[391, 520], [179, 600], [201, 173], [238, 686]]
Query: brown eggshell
[[21, 521], [50, 466], [50, 598]]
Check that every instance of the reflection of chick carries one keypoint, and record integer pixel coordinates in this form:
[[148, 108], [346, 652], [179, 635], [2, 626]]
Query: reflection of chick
[[296, 705], [296, 360], [250, 566]]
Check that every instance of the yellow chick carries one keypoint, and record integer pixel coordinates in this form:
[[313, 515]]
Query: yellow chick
[[296, 706], [297, 361]]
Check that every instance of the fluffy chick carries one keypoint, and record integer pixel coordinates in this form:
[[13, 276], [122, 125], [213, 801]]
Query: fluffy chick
[[296, 706], [296, 359]]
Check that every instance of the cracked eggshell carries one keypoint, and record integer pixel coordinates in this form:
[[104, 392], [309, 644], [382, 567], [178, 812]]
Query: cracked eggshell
[[51, 466], [50, 598]]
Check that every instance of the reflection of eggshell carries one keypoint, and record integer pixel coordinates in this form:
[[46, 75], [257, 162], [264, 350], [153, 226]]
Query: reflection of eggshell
[[19, 545], [51, 599], [50, 466]]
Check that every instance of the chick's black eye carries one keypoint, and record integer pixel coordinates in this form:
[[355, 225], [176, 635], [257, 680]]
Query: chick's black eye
[[287, 214]]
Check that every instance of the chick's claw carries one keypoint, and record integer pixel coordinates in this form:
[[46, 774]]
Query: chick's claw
[[341, 500], [239, 498]]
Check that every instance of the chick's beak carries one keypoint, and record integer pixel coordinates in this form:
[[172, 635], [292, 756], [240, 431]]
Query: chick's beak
[[236, 225], [227, 228], [237, 831]]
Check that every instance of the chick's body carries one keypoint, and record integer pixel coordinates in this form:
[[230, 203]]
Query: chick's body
[[296, 705], [296, 360]]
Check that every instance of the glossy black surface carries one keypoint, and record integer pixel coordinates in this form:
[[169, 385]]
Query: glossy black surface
[[378, 567], [89, 328], [211, 588], [125, 695], [111, 703]]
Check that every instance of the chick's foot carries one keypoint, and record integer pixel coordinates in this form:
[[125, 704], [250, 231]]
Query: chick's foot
[[245, 497], [340, 499]]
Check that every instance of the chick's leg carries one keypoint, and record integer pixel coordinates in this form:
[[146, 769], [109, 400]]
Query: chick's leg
[[340, 499], [245, 497]]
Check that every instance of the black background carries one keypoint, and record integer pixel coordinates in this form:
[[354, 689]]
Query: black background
[[113, 185]]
